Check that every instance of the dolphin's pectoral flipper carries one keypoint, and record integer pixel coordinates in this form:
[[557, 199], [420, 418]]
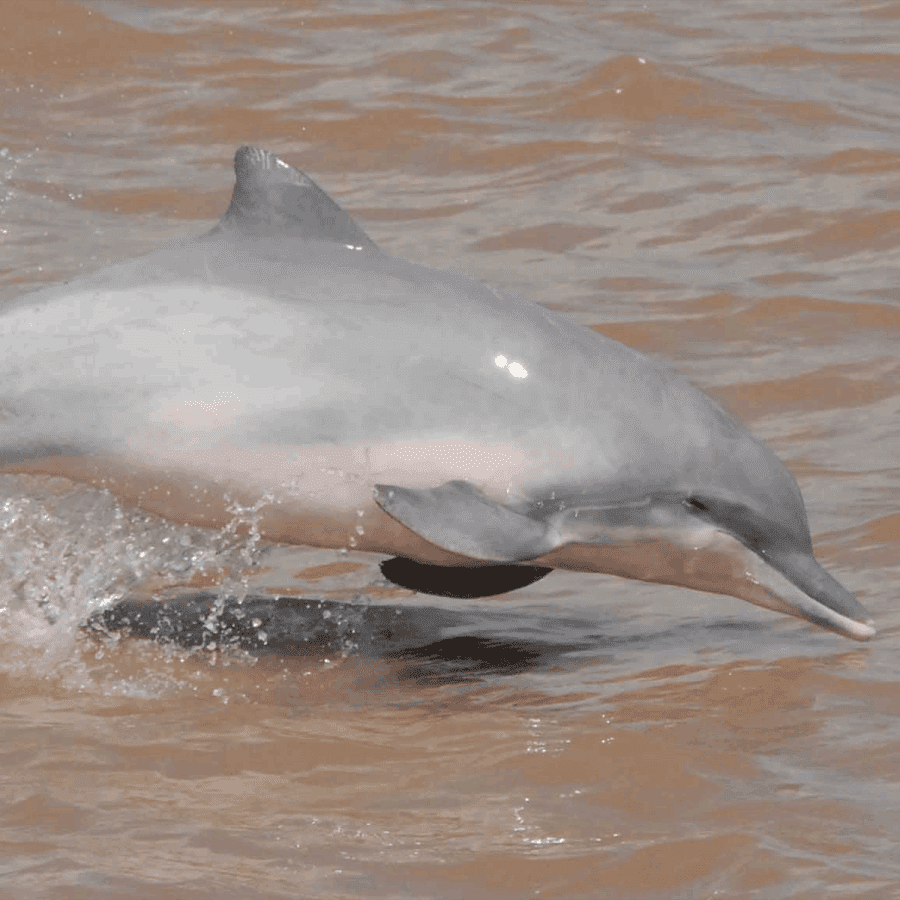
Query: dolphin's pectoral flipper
[[272, 198], [460, 518]]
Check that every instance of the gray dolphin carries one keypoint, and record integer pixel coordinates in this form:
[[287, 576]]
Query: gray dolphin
[[283, 364]]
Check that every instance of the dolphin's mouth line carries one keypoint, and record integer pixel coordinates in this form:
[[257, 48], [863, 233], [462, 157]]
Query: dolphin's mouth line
[[859, 631], [707, 558], [800, 587]]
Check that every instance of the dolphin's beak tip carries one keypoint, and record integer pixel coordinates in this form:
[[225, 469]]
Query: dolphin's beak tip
[[861, 631]]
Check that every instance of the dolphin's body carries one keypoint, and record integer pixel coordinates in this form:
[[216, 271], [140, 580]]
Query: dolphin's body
[[282, 363]]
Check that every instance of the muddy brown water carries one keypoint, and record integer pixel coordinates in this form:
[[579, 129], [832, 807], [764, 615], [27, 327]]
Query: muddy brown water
[[716, 184]]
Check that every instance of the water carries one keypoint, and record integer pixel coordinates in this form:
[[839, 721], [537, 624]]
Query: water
[[715, 184]]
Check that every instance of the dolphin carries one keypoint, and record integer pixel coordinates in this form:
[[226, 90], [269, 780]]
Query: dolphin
[[282, 368]]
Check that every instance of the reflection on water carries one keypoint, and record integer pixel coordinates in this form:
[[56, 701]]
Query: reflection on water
[[293, 627], [715, 184]]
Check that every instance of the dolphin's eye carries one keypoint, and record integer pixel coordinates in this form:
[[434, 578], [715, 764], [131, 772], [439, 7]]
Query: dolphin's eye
[[695, 503]]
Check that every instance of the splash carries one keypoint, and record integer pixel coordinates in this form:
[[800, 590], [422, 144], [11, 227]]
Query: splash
[[68, 551]]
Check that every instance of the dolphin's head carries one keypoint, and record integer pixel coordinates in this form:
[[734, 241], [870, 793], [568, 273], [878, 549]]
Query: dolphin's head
[[733, 524], [759, 523]]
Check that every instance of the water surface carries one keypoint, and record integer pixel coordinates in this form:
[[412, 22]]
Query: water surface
[[714, 184]]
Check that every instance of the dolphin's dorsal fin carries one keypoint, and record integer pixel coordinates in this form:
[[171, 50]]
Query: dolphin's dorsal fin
[[273, 199]]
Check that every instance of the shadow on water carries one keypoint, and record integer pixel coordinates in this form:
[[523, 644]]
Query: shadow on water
[[436, 644], [460, 581]]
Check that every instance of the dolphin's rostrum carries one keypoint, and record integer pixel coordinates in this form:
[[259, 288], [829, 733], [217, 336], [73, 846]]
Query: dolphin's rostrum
[[284, 363]]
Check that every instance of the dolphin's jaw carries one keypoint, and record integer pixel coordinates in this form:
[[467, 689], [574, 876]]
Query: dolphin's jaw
[[702, 558], [765, 586]]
